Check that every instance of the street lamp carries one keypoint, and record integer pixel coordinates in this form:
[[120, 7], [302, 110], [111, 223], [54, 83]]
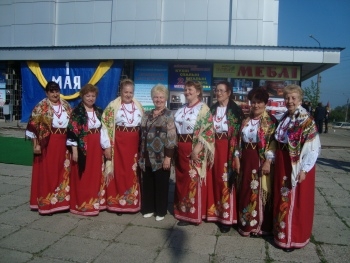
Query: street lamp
[[346, 109], [318, 75]]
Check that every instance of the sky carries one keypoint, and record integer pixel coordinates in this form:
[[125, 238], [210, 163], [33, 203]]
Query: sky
[[329, 22]]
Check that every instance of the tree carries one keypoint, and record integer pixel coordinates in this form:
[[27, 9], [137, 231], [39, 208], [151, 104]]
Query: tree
[[339, 113], [312, 94]]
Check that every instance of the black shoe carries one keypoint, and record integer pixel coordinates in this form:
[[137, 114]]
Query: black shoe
[[183, 223], [254, 235], [224, 228], [119, 214], [288, 249]]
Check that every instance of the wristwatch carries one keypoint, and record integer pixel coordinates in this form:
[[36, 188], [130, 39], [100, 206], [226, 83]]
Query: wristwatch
[[305, 172]]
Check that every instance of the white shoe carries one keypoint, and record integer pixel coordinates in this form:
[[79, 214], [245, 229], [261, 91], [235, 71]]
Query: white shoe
[[159, 218], [148, 215]]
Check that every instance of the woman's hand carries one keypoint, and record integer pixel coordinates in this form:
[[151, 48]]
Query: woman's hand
[[37, 149], [301, 176], [195, 160], [166, 163], [74, 153], [266, 167], [108, 153]]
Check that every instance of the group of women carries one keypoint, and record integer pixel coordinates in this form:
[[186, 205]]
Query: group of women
[[230, 169]]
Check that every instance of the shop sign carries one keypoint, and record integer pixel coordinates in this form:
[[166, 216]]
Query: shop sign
[[248, 71], [180, 73]]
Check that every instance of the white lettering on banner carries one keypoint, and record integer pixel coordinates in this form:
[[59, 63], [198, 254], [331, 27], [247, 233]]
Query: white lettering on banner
[[76, 81], [67, 68], [58, 80], [68, 83]]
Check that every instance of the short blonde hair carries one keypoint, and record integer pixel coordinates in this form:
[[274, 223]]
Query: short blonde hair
[[292, 88], [160, 88]]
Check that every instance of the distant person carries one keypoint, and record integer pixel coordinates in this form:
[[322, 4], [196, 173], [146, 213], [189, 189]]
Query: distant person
[[298, 146], [120, 138], [47, 127], [306, 105], [320, 115], [326, 118], [83, 135]]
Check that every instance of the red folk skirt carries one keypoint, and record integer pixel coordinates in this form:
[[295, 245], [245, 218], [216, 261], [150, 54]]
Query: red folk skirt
[[191, 195], [224, 207], [123, 191], [253, 216], [88, 190], [293, 211], [50, 191]]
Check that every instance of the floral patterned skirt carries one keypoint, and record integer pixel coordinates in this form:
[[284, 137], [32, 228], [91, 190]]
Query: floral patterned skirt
[[224, 209], [191, 199], [293, 211], [50, 177], [253, 216], [88, 190], [123, 191]]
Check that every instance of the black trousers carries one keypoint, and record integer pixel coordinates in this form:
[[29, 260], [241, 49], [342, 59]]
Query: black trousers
[[155, 189], [319, 124]]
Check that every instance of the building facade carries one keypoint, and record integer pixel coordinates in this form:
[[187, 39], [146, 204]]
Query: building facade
[[150, 41]]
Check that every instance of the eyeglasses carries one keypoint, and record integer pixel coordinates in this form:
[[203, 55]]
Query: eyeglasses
[[220, 91]]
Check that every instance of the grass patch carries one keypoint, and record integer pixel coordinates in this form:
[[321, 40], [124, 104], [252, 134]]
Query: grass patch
[[16, 151]]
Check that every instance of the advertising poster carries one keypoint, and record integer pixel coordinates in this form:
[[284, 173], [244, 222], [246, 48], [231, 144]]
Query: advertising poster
[[71, 76], [146, 76], [179, 73], [2, 97], [272, 78]]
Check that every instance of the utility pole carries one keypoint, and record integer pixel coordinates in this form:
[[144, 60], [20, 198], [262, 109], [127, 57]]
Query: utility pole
[[318, 75], [347, 109]]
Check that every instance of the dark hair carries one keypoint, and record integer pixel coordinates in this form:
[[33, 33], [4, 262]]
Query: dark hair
[[228, 86], [197, 85], [258, 94], [88, 88], [51, 85]]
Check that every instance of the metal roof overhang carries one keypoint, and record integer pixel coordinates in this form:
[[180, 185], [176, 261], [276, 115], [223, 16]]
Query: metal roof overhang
[[312, 60]]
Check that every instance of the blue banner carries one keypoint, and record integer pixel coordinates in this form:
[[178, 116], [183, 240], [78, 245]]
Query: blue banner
[[71, 76], [148, 74]]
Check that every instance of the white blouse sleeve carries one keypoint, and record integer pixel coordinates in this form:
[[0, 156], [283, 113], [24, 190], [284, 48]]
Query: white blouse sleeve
[[30, 134], [309, 161], [104, 139]]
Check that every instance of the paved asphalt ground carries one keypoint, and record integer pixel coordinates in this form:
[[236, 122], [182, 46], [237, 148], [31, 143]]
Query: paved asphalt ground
[[26, 236]]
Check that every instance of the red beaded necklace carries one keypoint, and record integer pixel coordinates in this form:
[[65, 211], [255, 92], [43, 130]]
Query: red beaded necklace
[[251, 121], [218, 118], [93, 119], [190, 108], [133, 109]]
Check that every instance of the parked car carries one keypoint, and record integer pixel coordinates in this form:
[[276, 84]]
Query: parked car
[[341, 125]]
